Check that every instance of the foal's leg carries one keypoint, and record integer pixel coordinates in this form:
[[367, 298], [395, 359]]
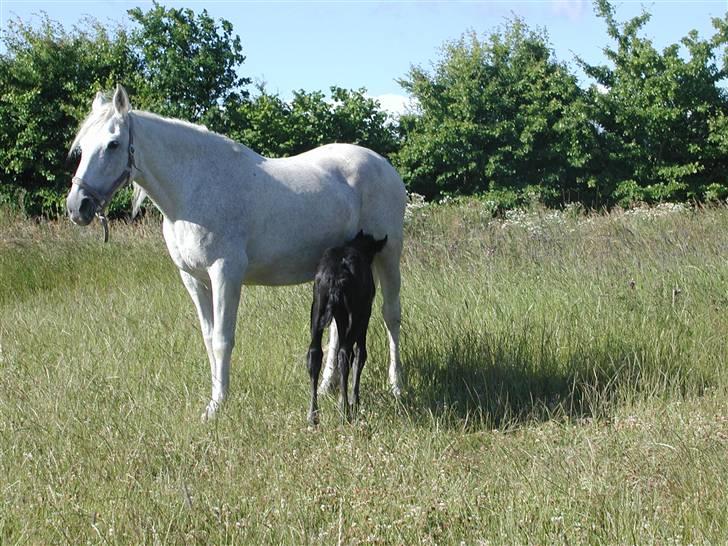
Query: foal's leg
[[387, 268], [226, 277], [360, 358], [202, 298], [344, 356], [315, 355], [331, 369]]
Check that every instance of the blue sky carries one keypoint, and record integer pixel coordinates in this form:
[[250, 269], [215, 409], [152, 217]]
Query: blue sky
[[315, 44]]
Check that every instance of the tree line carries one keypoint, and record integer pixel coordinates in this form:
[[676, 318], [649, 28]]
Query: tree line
[[496, 116]]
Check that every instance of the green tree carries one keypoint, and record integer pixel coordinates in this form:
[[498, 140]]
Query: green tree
[[498, 115], [276, 128], [262, 123], [47, 79], [189, 65], [358, 119], [173, 62], [661, 114]]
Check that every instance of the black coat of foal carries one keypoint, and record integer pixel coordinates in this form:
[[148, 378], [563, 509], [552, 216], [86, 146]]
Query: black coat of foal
[[343, 291]]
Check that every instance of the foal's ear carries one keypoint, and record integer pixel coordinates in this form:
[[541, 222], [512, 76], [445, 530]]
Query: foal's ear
[[379, 245], [121, 101]]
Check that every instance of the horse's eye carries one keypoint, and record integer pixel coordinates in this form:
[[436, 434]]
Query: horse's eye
[[113, 145]]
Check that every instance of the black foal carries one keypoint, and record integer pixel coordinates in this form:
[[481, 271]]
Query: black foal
[[343, 290]]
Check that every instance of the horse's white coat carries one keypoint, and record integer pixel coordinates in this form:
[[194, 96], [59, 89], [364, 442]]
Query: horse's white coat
[[233, 217]]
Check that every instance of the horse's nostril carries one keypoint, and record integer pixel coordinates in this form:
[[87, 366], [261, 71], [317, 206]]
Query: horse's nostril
[[87, 208]]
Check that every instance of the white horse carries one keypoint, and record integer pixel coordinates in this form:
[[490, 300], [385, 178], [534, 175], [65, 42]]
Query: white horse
[[233, 217]]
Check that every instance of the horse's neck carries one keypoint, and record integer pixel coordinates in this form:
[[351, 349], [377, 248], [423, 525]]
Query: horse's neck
[[173, 157]]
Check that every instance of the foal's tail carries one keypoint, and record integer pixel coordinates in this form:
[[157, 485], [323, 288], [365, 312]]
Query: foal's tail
[[335, 299], [327, 311]]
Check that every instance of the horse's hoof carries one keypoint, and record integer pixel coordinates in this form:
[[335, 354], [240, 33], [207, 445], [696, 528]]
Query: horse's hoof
[[395, 382], [313, 419], [210, 410], [328, 386]]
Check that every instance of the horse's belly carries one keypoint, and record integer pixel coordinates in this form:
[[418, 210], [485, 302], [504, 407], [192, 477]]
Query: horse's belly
[[288, 246], [278, 276], [291, 263]]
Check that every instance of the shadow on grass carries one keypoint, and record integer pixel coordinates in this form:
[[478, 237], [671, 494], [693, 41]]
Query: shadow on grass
[[479, 383]]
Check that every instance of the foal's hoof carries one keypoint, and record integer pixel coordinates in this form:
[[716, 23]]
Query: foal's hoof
[[346, 417], [210, 410], [313, 419]]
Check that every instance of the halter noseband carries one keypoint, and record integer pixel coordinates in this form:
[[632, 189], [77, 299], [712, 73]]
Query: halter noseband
[[101, 200]]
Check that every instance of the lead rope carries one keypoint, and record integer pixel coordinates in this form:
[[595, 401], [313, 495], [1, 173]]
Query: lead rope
[[105, 224]]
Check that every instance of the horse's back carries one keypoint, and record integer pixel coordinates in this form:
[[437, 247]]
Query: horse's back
[[374, 180], [320, 199]]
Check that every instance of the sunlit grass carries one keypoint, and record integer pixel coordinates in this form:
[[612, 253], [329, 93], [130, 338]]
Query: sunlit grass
[[565, 384]]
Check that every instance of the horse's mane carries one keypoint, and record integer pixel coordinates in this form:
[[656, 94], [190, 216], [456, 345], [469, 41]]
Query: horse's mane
[[96, 118]]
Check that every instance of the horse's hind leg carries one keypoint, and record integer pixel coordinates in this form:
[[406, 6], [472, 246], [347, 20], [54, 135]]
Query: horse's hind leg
[[315, 355], [387, 269], [331, 369]]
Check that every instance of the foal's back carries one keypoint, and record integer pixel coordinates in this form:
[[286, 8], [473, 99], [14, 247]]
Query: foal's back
[[345, 285]]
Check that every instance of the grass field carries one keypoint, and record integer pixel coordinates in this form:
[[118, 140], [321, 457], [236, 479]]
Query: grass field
[[566, 383]]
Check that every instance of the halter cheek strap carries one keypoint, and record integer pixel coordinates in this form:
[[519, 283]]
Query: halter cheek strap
[[101, 200]]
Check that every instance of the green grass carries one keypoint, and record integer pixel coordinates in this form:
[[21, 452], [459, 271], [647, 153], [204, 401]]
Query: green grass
[[565, 384]]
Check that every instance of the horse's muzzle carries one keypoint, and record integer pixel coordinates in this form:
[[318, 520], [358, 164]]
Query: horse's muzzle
[[81, 208]]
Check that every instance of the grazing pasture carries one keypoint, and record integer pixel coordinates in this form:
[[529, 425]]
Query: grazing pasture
[[565, 382]]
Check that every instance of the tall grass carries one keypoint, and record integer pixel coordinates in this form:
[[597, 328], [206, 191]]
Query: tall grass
[[565, 384]]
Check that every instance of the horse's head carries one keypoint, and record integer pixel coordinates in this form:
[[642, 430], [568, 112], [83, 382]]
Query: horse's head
[[105, 142]]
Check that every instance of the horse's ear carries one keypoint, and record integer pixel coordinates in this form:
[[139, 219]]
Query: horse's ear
[[121, 101], [99, 101]]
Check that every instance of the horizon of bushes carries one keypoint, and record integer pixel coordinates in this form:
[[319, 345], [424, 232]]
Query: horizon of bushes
[[497, 115]]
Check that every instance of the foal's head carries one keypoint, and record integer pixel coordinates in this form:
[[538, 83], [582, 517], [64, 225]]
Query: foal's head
[[367, 245]]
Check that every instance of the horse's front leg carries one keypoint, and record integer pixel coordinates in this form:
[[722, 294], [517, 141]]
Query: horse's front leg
[[201, 295], [226, 277]]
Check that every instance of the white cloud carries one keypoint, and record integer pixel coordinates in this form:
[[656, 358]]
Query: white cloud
[[571, 9], [394, 104]]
